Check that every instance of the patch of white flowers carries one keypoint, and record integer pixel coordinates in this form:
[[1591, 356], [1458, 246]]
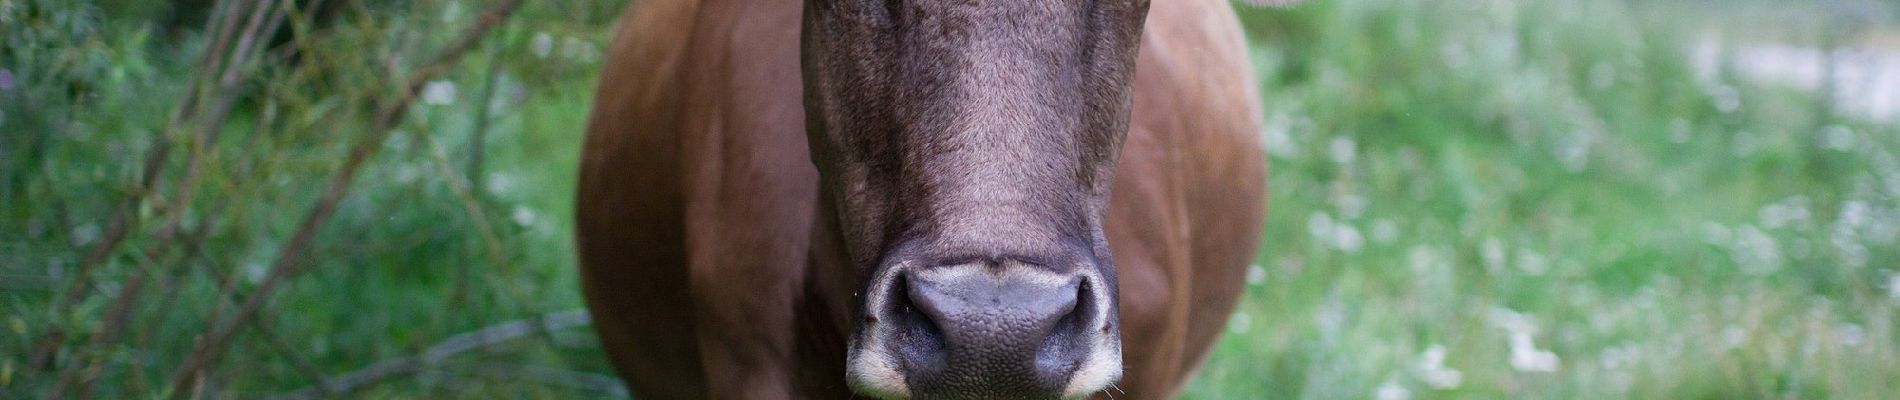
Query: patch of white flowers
[[1492, 252], [1893, 286], [1525, 356], [1432, 369], [438, 93], [542, 45], [1391, 390], [1342, 149], [1340, 235]]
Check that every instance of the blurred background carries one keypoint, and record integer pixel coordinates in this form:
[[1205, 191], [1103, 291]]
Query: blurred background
[[1469, 199]]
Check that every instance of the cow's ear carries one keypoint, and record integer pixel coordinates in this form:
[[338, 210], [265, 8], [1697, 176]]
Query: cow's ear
[[1272, 3]]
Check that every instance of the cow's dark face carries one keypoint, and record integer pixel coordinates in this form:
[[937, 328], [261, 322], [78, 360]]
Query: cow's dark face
[[969, 146]]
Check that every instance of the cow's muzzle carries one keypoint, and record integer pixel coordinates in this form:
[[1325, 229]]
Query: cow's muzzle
[[1001, 329]]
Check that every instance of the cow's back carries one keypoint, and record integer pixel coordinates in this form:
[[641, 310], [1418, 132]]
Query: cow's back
[[697, 199]]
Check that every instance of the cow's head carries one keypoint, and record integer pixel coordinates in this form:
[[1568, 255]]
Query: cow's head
[[968, 146]]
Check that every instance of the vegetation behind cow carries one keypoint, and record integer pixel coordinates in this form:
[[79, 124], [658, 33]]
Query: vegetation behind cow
[[1488, 199]]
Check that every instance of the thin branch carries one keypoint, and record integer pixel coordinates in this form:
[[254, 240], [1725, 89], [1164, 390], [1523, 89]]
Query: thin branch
[[434, 355], [470, 203], [182, 196], [297, 360], [477, 155], [123, 220], [193, 244], [555, 377], [478, 137], [216, 340], [265, 17], [11, 282]]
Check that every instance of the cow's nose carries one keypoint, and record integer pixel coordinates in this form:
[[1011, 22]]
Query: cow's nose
[[994, 330]]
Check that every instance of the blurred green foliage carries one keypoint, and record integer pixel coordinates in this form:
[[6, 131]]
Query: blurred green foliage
[[1548, 199], [1470, 199]]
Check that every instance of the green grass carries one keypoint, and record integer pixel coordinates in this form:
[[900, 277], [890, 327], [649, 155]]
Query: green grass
[[1448, 178]]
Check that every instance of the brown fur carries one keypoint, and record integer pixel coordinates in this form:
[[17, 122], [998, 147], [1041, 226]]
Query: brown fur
[[713, 261]]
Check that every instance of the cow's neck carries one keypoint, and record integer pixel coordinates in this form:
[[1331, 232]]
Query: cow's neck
[[825, 307], [830, 279]]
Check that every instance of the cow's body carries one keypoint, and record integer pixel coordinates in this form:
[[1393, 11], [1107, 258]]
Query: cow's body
[[704, 244]]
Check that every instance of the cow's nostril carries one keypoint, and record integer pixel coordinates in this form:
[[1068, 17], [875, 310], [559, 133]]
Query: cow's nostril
[[1065, 345], [915, 333]]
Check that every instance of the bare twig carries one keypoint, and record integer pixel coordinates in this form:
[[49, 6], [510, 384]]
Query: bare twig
[[470, 203], [25, 282], [481, 338], [216, 339], [297, 360], [478, 137], [265, 18], [123, 220], [193, 247], [555, 377], [266, 15], [477, 154]]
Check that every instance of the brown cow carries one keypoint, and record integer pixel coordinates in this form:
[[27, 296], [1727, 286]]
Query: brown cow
[[912, 198]]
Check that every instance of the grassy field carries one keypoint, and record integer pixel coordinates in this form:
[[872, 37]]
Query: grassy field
[[1469, 199]]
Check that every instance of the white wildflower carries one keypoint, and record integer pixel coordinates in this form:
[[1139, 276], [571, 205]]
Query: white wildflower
[[1790, 212], [1421, 258], [1727, 99], [1346, 238], [1492, 251], [1715, 233], [1433, 371], [1755, 251], [1239, 323], [1855, 213], [1679, 130], [1320, 226], [1617, 356], [541, 45], [255, 272], [439, 93], [407, 173], [525, 217], [1351, 206], [1274, 136], [499, 183], [1512, 321], [452, 13], [1384, 231], [1525, 356], [1531, 263], [1574, 151], [1893, 286], [1850, 334], [1837, 138], [1733, 337], [1342, 149], [1391, 390], [574, 48], [85, 234]]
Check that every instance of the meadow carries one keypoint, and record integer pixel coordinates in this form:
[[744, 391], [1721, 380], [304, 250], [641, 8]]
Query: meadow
[[1468, 199]]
